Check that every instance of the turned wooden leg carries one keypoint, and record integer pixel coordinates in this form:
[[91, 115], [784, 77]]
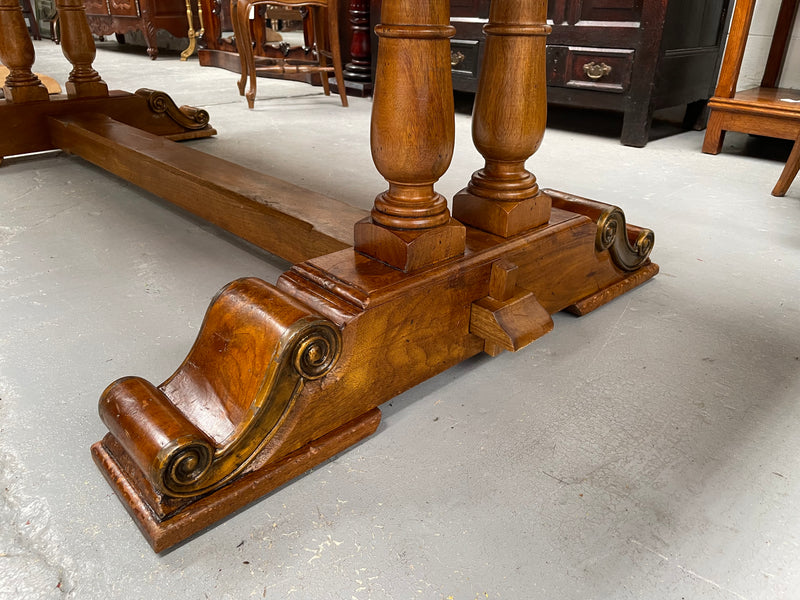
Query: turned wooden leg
[[360, 66], [508, 123], [318, 16], [246, 49], [79, 49], [237, 33], [17, 54], [789, 171], [410, 225]]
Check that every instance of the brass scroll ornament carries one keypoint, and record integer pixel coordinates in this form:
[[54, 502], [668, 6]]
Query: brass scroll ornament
[[595, 71], [612, 235], [456, 58]]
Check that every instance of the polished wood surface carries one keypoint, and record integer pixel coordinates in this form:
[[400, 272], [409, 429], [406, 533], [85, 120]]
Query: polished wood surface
[[767, 110], [284, 376]]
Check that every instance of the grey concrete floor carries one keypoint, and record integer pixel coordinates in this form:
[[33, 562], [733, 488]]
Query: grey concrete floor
[[645, 451]]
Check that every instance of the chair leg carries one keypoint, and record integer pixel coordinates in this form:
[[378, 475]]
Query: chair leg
[[243, 15], [789, 171], [319, 41], [239, 45], [336, 52]]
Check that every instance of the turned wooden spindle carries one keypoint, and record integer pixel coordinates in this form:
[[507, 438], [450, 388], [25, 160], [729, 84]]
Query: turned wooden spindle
[[17, 54], [412, 138], [508, 122], [79, 49], [359, 68]]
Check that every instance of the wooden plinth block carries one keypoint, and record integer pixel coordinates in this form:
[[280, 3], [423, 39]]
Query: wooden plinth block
[[503, 218], [192, 517], [410, 249]]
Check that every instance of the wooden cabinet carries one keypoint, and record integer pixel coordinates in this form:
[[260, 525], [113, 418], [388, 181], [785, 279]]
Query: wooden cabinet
[[631, 56], [120, 16]]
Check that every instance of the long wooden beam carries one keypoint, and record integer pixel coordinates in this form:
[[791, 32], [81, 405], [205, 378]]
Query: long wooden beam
[[284, 219]]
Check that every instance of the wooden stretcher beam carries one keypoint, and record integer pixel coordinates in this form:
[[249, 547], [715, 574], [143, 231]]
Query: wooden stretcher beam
[[284, 219]]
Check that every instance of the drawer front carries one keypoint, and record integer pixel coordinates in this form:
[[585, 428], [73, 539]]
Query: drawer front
[[611, 10], [464, 59], [599, 69]]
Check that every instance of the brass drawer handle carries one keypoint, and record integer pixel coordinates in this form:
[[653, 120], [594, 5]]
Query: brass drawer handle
[[595, 71], [456, 58]]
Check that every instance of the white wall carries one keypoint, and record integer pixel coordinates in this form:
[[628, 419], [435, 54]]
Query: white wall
[[755, 57]]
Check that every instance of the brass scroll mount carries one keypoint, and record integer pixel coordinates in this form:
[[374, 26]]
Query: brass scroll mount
[[628, 246], [595, 71]]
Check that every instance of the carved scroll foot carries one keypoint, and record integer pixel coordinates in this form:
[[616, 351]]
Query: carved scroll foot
[[232, 423], [164, 529], [282, 377]]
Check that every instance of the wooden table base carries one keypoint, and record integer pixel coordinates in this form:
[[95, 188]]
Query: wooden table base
[[285, 376]]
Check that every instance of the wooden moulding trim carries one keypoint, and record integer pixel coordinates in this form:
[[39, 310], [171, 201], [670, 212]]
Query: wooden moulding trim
[[416, 32], [513, 29], [476, 255], [775, 109]]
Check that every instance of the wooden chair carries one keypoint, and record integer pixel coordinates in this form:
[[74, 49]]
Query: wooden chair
[[326, 44]]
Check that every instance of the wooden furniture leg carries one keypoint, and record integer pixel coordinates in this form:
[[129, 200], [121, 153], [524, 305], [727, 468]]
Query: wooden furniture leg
[[789, 171], [503, 198], [16, 53], [282, 377], [79, 49], [410, 225]]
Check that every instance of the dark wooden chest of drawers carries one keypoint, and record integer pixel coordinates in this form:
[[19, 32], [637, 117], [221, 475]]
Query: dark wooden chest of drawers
[[631, 56], [120, 16]]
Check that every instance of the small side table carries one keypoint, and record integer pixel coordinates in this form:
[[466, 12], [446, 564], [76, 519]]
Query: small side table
[[766, 110]]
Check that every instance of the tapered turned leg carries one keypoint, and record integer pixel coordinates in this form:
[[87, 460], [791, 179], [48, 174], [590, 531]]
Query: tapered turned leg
[[79, 49], [360, 67], [508, 122], [17, 54], [412, 137]]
